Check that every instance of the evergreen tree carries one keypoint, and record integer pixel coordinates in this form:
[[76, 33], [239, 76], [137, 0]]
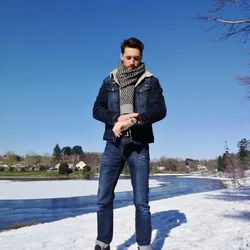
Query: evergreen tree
[[77, 150], [242, 145], [66, 151], [224, 161], [77, 153], [57, 152], [244, 153], [64, 168], [220, 164]]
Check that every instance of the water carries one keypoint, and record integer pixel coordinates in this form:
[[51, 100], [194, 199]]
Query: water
[[47, 210]]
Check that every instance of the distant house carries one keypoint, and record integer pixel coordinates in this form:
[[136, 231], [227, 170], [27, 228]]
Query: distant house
[[201, 167], [3, 167], [19, 167], [37, 167], [71, 165], [80, 165], [161, 168], [34, 167], [57, 166]]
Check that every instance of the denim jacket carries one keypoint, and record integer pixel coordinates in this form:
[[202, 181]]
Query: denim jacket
[[148, 102]]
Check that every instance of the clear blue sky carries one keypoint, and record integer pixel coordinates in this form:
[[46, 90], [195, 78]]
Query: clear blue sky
[[54, 55]]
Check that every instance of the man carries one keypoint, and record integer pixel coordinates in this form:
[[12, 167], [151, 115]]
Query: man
[[130, 100]]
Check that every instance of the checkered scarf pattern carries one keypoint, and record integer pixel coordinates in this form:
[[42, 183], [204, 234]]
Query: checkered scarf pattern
[[127, 79]]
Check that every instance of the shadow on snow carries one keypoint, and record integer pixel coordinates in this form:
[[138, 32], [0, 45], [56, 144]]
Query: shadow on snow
[[239, 194], [163, 223]]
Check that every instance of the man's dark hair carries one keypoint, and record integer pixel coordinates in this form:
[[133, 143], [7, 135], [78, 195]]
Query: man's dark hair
[[132, 43]]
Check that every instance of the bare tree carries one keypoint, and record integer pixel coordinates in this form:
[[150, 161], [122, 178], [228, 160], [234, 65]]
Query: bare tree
[[222, 15], [233, 168]]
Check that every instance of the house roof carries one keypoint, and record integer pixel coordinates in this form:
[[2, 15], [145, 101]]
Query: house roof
[[81, 164]]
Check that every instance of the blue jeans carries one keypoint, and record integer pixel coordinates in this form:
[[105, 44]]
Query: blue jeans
[[113, 159]]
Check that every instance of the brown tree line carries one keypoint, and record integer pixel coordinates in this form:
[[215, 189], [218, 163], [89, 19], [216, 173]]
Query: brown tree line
[[44, 162]]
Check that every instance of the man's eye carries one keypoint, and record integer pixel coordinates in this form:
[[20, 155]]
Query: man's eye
[[136, 58]]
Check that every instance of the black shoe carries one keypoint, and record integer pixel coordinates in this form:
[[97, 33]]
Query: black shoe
[[97, 247]]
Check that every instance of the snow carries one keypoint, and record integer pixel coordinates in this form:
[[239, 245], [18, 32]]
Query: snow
[[216, 220], [56, 189]]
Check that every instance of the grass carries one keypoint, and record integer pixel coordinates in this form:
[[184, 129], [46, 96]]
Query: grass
[[40, 174], [24, 224]]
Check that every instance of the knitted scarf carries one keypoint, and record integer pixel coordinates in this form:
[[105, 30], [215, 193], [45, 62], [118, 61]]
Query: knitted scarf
[[127, 79]]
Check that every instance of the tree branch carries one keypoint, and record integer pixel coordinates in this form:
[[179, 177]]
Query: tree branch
[[245, 81], [227, 21]]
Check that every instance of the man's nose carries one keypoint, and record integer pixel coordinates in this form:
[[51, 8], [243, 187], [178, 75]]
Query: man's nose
[[132, 61]]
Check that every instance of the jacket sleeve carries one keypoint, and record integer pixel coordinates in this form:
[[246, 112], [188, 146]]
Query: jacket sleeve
[[100, 109], [156, 110]]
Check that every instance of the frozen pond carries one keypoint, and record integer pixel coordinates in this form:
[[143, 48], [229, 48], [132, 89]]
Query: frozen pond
[[46, 210]]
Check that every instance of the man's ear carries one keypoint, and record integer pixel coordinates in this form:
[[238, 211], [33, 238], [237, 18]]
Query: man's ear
[[121, 57]]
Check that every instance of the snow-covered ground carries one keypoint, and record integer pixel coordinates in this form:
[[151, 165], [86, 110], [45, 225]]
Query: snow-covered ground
[[217, 220]]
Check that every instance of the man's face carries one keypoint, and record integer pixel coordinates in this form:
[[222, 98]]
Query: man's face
[[131, 58]]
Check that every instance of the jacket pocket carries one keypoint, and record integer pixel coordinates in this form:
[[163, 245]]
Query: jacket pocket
[[142, 97], [113, 96]]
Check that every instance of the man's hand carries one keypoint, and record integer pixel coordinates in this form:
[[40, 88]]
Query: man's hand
[[123, 125], [127, 116]]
